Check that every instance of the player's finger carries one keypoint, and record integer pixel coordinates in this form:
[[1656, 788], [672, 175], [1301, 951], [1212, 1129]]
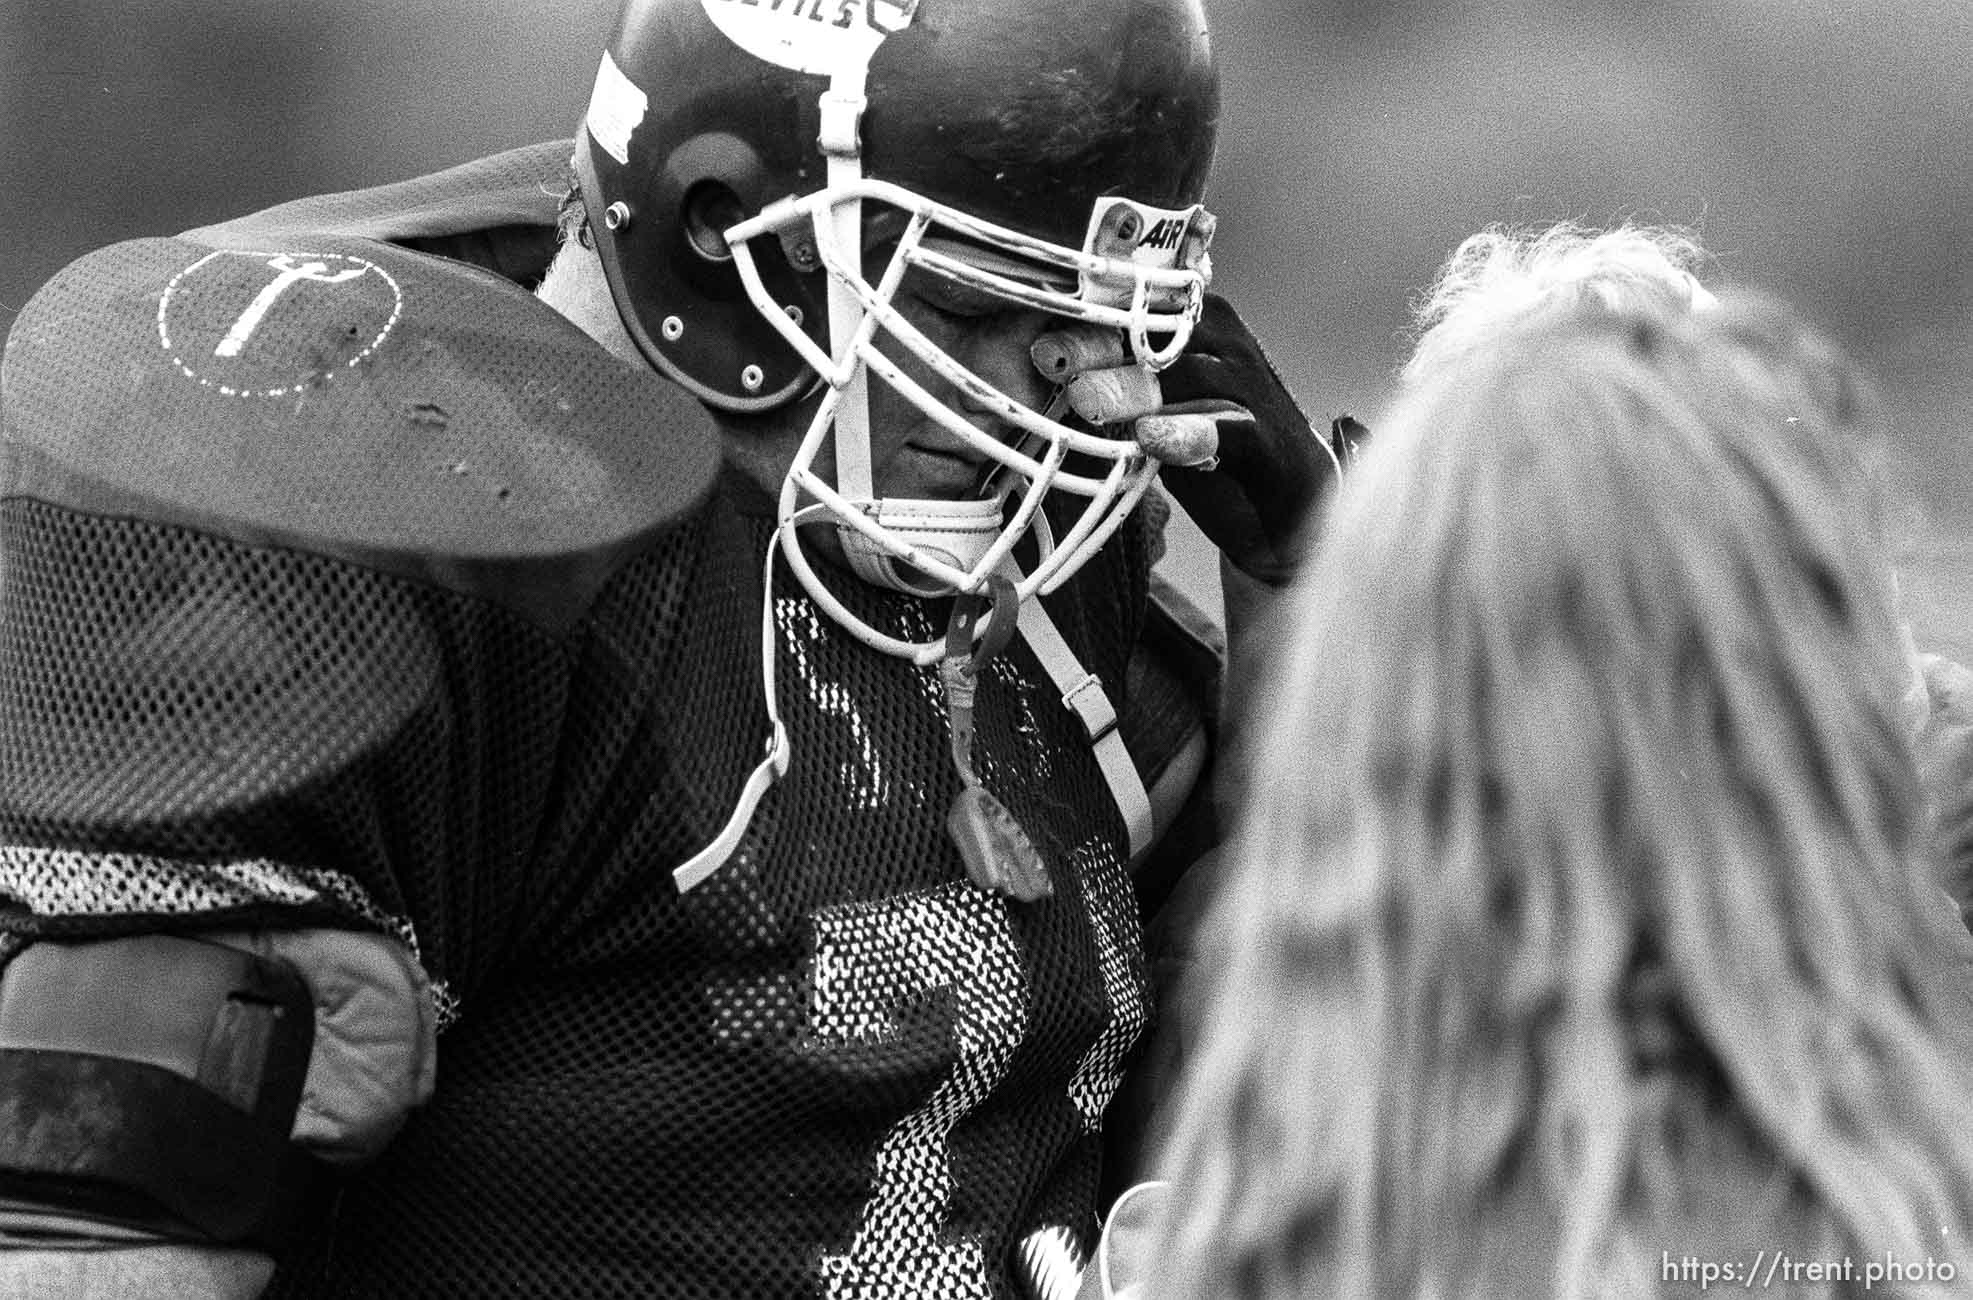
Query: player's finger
[[1115, 394], [1185, 440], [1062, 354]]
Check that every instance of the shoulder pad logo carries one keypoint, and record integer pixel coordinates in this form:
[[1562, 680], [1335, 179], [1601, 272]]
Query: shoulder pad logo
[[821, 37], [270, 324]]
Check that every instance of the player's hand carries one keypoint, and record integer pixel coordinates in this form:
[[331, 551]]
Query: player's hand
[[1254, 493]]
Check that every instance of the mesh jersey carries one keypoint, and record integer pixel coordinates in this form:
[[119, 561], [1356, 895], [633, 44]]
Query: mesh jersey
[[398, 604]]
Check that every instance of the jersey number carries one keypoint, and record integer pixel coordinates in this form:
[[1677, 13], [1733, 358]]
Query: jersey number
[[871, 958]]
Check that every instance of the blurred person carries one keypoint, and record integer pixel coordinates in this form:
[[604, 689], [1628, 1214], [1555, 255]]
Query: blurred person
[[1499, 279], [1581, 923], [1505, 277], [645, 789], [1937, 704]]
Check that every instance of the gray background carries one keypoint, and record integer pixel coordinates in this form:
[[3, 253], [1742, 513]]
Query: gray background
[[1819, 147]]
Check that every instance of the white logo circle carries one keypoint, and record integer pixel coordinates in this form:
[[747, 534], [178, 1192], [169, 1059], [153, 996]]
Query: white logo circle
[[256, 324]]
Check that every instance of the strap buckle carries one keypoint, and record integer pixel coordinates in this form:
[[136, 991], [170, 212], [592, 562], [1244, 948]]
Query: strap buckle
[[1091, 704]]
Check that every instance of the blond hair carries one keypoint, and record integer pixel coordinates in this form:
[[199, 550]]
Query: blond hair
[[1511, 276], [1579, 875]]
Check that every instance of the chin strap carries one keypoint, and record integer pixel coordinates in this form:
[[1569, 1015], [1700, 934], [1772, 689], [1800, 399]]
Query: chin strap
[[839, 138], [698, 868], [957, 533]]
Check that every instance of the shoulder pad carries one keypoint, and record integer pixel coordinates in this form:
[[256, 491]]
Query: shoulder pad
[[354, 400]]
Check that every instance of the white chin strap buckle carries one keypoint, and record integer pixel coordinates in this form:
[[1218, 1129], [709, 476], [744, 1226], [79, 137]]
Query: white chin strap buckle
[[954, 533]]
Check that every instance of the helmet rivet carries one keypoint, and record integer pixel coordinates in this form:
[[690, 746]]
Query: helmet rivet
[[794, 313], [752, 378], [617, 215], [673, 329]]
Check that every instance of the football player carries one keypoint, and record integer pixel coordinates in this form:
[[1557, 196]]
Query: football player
[[646, 788]]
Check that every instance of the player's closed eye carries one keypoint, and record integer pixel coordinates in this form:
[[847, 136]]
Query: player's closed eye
[[948, 298], [955, 302]]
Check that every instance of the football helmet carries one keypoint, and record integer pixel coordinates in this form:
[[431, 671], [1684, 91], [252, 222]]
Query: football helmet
[[760, 175]]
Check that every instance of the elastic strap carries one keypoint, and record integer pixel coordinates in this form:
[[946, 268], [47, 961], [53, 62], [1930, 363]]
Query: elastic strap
[[1084, 696], [150, 1083]]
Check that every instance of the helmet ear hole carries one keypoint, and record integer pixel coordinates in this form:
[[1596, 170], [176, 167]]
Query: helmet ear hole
[[711, 208]]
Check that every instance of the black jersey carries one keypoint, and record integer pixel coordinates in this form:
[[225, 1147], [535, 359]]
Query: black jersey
[[345, 585]]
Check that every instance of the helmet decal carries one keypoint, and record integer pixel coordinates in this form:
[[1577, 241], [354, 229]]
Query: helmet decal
[[813, 36], [616, 108]]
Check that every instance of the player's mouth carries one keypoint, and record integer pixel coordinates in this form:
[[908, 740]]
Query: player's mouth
[[937, 469]]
